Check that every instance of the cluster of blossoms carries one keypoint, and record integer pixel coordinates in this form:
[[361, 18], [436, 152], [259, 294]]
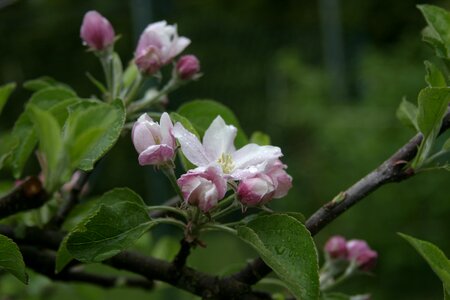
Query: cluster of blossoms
[[158, 45], [260, 174], [254, 172], [356, 251]]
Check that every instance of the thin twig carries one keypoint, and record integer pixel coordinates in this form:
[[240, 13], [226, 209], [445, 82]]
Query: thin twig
[[27, 195], [73, 200]]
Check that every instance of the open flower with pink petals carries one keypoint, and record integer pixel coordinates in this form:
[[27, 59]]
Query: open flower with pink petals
[[203, 186], [157, 46], [154, 142], [218, 148]]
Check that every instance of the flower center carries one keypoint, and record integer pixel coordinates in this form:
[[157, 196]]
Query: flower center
[[226, 162]]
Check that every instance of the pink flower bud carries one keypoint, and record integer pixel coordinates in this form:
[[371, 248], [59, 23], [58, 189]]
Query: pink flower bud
[[187, 67], [336, 247], [154, 142], [203, 186], [256, 190], [96, 31], [360, 252], [281, 180], [157, 46]]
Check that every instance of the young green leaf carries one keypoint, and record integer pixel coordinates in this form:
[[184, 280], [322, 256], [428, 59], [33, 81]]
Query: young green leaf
[[438, 20], [91, 130], [433, 103], [434, 256], [202, 112], [5, 92], [117, 71], [43, 83], [407, 114], [108, 231], [23, 130], [11, 259], [434, 76], [50, 144], [287, 247], [260, 138], [63, 257]]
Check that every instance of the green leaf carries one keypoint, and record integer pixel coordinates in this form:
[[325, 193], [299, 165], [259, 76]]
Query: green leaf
[[434, 256], [434, 76], [433, 104], [7, 145], [260, 138], [446, 294], [335, 296], [407, 114], [185, 122], [5, 92], [43, 83], [131, 74], [97, 83], [50, 144], [119, 221], [446, 146], [201, 113], [91, 130], [23, 130], [63, 257], [117, 71], [438, 20], [287, 247], [11, 259]]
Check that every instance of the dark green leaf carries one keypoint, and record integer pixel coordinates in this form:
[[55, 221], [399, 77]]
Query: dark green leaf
[[201, 113], [11, 259], [5, 92], [434, 76], [446, 294], [91, 131], [119, 221], [63, 257], [287, 247], [407, 114], [260, 138], [335, 296], [7, 146], [435, 258]]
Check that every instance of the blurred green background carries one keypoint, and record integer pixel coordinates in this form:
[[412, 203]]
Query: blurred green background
[[323, 78]]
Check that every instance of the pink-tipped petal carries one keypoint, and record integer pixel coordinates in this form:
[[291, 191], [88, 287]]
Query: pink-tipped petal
[[96, 31], [156, 155], [166, 130]]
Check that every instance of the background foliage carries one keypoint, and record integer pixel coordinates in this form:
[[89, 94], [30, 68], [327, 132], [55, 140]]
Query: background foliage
[[268, 61]]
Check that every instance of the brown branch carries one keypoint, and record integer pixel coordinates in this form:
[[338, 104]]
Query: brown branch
[[180, 259], [43, 261], [392, 170], [66, 208], [202, 284], [27, 195]]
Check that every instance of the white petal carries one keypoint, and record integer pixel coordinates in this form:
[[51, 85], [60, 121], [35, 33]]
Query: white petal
[[253, 155], [190, 145], [142, 136], [219, 138], [166, 130]]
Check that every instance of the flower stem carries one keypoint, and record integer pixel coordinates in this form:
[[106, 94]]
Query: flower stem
[[170, 221], [167, 208], [170, 174], [212, 227], [106, 61]]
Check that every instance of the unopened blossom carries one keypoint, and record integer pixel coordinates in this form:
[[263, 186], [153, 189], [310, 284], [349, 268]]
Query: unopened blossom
[[157, 46], [154, 142], [187, 67], [256, 190], [336, 247], [259, 189], [96, 31], [218, 148], [203, 187], [360, 252]]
